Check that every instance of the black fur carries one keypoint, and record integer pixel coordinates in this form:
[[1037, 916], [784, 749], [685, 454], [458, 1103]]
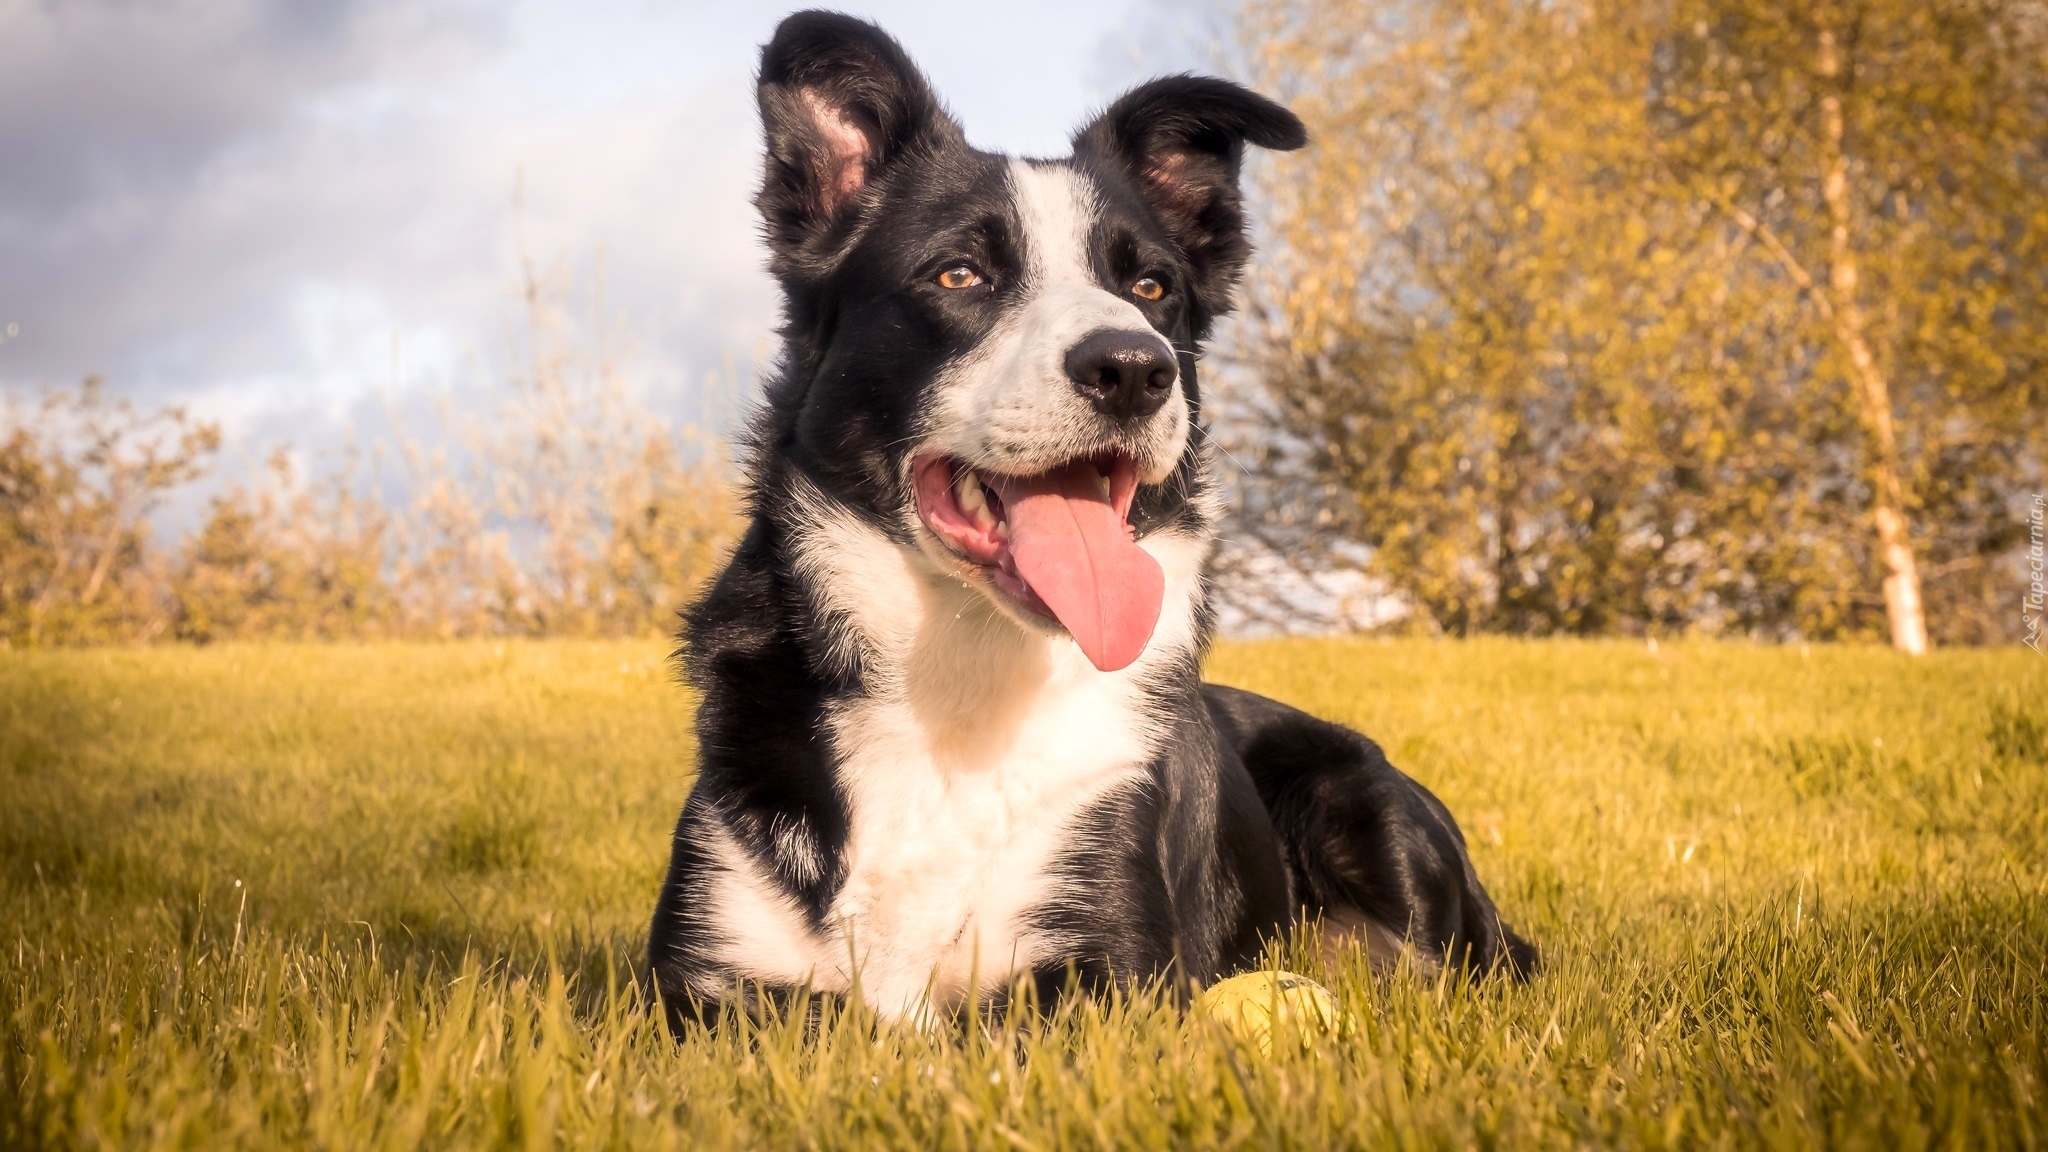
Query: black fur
[[1179, 142], [1252, 814]]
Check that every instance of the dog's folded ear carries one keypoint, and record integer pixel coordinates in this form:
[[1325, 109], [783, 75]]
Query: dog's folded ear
[[840, 104], [1182, 138]]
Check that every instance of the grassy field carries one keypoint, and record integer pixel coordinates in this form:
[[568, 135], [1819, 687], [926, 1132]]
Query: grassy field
[[393, 897]]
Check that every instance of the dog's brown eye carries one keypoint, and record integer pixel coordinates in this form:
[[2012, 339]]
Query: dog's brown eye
[[1148, 289], [959, 276]]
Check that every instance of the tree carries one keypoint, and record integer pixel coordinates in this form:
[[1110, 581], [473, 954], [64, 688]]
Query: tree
[[1543, 330], [286, 560], [570, 508], [79, 476], [1906, 203]]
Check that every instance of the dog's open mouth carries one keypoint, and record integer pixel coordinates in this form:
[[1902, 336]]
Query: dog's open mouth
[[1058, 544]]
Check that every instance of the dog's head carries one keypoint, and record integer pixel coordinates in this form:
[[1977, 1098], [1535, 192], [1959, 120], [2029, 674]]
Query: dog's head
[[991, 359]]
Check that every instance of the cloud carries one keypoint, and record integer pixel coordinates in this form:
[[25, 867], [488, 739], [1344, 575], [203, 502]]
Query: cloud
[[143, 145]]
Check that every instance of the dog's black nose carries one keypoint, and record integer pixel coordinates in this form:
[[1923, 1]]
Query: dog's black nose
[[1126, 373]]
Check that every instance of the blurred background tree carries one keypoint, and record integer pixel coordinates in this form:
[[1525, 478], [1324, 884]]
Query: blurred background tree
[[561, 506], [285, 560], [1711, 315], [80, 473]]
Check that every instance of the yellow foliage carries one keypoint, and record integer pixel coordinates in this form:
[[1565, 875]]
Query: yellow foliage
[[79, 475], [1580, 364]]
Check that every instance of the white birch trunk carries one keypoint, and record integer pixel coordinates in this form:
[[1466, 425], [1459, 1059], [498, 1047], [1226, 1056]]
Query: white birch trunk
[[1903, 607]]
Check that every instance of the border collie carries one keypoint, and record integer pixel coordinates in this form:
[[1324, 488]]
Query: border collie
[[953, 731]]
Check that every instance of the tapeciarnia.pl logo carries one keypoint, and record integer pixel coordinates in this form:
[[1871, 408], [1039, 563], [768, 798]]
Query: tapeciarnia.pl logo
[[2037, 586]]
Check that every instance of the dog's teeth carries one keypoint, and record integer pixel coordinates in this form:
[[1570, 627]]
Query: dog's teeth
[[967, 490], [1002, 529], [1102, 484]]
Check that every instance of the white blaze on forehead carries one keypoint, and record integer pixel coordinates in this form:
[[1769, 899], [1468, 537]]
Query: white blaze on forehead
[[1007, 405], [1057, 209]]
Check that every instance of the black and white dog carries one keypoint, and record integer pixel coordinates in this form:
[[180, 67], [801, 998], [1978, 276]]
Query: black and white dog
[[953, 729]]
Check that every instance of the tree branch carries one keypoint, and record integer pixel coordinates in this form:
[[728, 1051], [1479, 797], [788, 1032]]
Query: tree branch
[[1763, 234]]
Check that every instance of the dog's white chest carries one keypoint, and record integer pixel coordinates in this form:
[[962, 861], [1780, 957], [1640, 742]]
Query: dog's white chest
[[945, 859], [960, 810]]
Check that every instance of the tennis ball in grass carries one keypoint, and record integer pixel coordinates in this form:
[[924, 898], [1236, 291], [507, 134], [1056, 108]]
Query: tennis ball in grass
[[1252, 1005]]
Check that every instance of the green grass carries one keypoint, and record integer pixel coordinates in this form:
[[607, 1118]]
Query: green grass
[[362, 897]]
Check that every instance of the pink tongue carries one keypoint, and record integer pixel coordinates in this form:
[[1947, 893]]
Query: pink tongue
[[1076, 553]]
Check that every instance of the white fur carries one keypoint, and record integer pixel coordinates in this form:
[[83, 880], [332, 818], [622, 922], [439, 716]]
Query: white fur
[[1008, 406], [964, 767]]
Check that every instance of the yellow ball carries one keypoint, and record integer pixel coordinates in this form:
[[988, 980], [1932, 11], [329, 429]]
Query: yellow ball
[[1252, 1004]]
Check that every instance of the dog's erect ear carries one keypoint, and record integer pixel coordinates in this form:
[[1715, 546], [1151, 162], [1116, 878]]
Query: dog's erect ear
[[1182, 139], [840, 103]]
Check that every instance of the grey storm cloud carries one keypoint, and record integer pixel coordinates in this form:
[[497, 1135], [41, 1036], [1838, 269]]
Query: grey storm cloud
[[146, 210]]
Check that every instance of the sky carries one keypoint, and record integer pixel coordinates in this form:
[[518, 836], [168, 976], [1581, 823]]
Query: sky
[[288, 216]]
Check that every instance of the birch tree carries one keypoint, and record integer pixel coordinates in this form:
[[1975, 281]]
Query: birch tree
[[1710, 316]]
